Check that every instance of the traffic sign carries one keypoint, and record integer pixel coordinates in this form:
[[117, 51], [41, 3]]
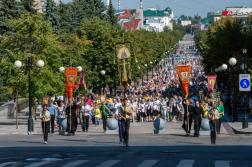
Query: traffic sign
[[244, 82]]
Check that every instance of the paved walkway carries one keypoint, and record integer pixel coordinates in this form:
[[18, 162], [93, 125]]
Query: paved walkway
[[9, 127]]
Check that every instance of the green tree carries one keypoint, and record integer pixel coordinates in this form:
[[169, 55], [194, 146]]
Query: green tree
[[100, 56], [111, 14], [9, 9], [51, 14], [73, 13], [224, 40], [31, 36], [29, 6]]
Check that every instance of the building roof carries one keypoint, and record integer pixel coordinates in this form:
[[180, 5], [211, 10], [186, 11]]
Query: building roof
[[157, 13], [207, 20], [125, 15], [183, 18], [131, 25]]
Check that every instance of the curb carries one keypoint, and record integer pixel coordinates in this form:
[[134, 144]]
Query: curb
[[241, 132]]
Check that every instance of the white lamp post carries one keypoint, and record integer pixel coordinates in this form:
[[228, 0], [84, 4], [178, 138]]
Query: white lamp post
[[224, 67], [103, 72], [62, 69], [232, 61], [79, 68], [39, 64], [18, 64]]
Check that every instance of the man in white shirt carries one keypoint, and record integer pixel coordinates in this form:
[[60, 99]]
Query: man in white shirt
[[85, 109]]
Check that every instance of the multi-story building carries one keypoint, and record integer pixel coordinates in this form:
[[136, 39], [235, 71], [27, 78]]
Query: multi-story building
[[157, 20], [150, 19], [184, 21]]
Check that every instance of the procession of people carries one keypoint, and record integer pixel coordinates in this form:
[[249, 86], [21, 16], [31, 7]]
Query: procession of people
[[160, 96]]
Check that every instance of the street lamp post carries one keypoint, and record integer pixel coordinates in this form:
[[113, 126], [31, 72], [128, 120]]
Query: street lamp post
[[152, 68], [103, 72], [146, 65], [29, 64], [232, 62], [245, 121]]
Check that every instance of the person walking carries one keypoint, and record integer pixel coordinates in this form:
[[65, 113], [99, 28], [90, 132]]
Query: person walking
[[53, 114], [197, 112], [97, 114], [164, 109], [45, 122], [118, 113], [220, 109], [213, 117], [104, 113], [188, 117], [85, 109], [61, 116], [72, 121], [126, 116]]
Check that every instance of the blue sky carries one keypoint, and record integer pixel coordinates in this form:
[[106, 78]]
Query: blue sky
[[187, 7]]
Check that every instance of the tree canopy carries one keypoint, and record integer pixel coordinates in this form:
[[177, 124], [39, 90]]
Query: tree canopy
[[80, 33]]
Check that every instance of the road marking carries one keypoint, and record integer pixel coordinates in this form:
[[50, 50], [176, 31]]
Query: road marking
[[38, 164], [108, 163], [148, 163], [186, 163], [222, 164], [75, 163], [7, 164]]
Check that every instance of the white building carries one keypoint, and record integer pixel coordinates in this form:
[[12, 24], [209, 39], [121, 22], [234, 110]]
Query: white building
[[185, 23], [239, 11], [157, 20]]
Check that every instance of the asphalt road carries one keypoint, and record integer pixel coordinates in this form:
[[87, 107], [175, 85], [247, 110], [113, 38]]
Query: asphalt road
[[144, 151], [172, 156]]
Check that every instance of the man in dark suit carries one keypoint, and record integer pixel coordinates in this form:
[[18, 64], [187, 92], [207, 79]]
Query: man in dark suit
[[188, 116]]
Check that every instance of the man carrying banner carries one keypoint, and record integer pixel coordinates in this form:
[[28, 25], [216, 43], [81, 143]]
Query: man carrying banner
[[184, 73], [188, 117]]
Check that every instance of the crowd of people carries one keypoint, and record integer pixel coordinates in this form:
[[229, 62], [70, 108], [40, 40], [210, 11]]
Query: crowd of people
[[159, 96]]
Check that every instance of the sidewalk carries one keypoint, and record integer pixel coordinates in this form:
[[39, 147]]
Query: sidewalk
[[8, 127], [237, 126]]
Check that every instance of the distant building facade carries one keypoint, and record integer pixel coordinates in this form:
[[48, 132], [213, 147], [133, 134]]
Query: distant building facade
[[151, 19], [184, 21], [157, 20]]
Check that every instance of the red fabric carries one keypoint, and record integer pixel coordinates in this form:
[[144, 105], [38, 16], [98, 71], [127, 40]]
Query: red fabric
[[131, 25], [226, 13], [125, 15]]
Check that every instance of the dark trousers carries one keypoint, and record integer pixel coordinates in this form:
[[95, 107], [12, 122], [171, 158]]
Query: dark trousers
[[187, 125], [212, 125], [218, 127], [126, 126], [85, 123], [52, 123], [45, 129], [121, 130], [104, 123], [197, 124]]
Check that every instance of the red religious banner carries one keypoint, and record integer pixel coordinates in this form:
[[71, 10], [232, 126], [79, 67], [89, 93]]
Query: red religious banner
[[185, 87], [184, 73], [71, 77], [211, 82]]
